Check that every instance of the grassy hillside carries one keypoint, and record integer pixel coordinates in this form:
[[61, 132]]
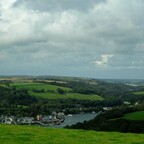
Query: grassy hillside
[[3, 85], [47, 94], [139, 93], [11, 134], [135, 116], [39, 86], [68, 95]]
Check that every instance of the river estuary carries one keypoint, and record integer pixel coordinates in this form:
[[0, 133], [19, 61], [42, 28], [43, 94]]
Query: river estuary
[[70, 120]]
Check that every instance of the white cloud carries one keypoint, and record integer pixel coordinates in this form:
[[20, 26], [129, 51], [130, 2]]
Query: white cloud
[[104, 61], [6, 4]]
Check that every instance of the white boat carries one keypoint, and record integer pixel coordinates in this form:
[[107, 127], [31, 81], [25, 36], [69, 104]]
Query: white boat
[[69, 115]]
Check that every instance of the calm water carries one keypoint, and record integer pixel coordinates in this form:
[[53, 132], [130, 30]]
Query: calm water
[[77, 118]]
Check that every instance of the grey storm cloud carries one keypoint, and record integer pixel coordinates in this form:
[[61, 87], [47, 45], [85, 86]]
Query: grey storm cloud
[[66, 37]]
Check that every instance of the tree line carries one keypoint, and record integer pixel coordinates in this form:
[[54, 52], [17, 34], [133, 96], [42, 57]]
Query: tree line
[[113, 121]]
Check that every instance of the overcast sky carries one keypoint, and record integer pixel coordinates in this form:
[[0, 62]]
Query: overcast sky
[[87, 38]]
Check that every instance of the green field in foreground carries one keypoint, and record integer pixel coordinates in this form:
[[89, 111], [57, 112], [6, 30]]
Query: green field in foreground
[[135, 116], [11, 134], [54, 94]]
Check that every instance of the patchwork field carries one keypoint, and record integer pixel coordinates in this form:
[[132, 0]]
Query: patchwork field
[[50, 91], [11, 134]]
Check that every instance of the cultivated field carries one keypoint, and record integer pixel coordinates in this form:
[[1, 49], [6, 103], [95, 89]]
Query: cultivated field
[[38, 86], [49, 91]]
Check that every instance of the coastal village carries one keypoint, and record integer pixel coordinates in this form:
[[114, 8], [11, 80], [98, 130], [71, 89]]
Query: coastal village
[[54, 119], [46, 120]]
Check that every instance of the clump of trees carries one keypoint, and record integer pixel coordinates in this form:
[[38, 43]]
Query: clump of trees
[[60, 91], [113, 121]]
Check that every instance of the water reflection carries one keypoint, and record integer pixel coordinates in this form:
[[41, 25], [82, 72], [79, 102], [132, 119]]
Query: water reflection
[[70, 120]]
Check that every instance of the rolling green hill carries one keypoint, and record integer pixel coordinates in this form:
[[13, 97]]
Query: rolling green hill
[[11, 134], [49, 91], [139, 93], [68, 95], [135, 116], [38, 86]]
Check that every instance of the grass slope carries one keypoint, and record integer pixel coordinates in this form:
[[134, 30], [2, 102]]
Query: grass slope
[[11, 134], [54, 95], [139, 93], [3, 85], [68, 95], [38, 86], [135, 116]]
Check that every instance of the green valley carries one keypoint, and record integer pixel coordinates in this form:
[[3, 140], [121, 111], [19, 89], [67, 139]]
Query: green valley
[[119, 109]]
